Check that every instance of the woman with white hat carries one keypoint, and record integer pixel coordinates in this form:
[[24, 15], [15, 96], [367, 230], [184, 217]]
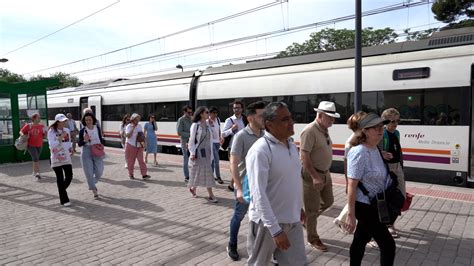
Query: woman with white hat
[[59, 140], [134, 147]]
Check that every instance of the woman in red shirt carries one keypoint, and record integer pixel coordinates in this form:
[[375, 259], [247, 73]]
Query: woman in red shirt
[[36, 133]]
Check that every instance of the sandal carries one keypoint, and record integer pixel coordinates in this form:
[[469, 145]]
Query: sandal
[[193, 192]]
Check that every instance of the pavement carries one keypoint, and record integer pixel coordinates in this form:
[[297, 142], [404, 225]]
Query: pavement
[[157, 221]]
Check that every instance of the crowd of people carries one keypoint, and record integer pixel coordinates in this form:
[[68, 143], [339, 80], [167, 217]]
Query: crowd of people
[[284, 189]]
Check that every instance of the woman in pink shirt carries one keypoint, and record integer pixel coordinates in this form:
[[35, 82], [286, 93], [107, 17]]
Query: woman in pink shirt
[[36, 133]]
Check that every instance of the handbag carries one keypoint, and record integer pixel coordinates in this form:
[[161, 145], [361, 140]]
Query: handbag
[[407, 202], [21, 143], [388, 206], [140, 139], [225, 144], [97, 150]]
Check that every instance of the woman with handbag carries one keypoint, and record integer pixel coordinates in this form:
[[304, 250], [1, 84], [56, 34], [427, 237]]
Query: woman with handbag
[[134, 147], [392, 152], [36, 132], [59, 140], [92, 155], [200, 148], [367, 177]]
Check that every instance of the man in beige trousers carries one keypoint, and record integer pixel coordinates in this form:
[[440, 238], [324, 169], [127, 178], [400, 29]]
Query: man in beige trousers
[[316, 157]]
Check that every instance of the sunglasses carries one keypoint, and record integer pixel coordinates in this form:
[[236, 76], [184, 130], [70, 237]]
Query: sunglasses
[[395, 121]]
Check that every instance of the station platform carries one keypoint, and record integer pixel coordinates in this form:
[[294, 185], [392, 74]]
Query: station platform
[[157, 221]]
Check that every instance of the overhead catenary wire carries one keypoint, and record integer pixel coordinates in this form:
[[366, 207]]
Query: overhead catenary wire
[[259, 36], [63, 28], [249, 11]]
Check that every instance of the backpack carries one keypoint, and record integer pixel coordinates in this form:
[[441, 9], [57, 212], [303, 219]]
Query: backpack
[[21, 143]]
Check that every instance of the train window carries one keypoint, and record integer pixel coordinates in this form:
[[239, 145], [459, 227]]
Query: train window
[[165, 111], [411, 73], [162, 111], [407, 102], [303, 106], [440, 106]]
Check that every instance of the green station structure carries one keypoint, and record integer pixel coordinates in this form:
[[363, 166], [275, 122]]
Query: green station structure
[[17, 102]]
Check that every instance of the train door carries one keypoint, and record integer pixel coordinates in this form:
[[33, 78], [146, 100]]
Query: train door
[[470, 179], [95, 103]]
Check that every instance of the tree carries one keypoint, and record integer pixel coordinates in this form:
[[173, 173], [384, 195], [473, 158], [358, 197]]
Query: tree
[[65, 79], [7, 76], [419, 35], [328, 40], [449, 11]]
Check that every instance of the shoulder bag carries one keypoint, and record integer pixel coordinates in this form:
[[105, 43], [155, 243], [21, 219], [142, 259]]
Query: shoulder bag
[[225, 144]]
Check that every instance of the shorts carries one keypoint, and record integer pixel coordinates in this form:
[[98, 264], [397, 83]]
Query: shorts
[[35, 153]]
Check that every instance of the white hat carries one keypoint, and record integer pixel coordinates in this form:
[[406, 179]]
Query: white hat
[[328, 108], [134, 115], [60, 118]]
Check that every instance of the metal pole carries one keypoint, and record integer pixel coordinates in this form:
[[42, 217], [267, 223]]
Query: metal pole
[[358, 57]]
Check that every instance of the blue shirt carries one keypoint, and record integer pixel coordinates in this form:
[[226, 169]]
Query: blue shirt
[[367, 166]]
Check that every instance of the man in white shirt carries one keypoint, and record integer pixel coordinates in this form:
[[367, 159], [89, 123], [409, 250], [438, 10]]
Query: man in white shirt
[[276, 205], [232, 125]]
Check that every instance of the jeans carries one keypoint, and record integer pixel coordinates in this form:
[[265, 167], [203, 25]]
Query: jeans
[[63, 183], [240, 210], [93, 167], [185, 160], [215, 162]]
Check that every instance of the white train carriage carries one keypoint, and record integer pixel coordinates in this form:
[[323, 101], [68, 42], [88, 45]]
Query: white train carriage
[[429, 81]]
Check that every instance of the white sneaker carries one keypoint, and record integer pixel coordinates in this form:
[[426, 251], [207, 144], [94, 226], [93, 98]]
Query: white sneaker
[[126, 166], [373, 244], [67, 204]]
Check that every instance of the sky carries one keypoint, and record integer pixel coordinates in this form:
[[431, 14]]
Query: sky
[[128, 22]]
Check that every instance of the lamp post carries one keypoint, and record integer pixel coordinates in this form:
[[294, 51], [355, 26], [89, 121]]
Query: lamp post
[[180, 67], [3, 60]]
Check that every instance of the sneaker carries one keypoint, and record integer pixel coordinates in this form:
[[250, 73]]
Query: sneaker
[[96, 194], [393, 232], [67, 204], [126, 166], [230, 188], [373, 244], [131, 177], [317, 244], [186, 180], [37, 176], [232, 252], [146, 177], [219, 180], [274, 260], [212, 200]]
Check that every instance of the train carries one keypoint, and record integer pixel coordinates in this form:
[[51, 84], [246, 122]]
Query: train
[[429, 81]]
